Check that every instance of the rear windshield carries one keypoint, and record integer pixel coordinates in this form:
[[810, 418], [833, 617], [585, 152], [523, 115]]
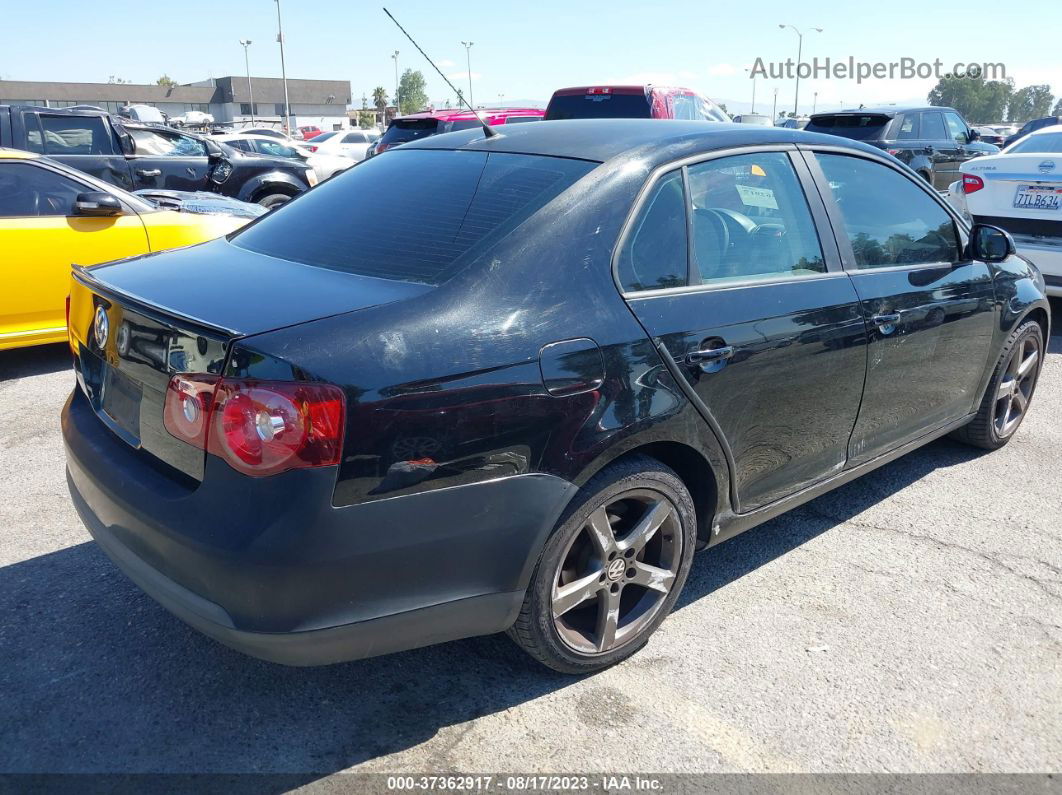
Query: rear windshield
[[864, 127], [598, 106], [1044, 142], [415, 215], [410, 130]]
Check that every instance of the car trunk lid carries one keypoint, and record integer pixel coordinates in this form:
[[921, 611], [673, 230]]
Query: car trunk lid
[[1019, 187], [136, 323]]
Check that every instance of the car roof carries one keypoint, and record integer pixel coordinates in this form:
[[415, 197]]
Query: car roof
[[467, 115], [622, 89], [653, 140], [889, 110]]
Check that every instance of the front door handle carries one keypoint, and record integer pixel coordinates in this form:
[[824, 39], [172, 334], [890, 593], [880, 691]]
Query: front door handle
[[149, 172], [709, 355], [886, 319]]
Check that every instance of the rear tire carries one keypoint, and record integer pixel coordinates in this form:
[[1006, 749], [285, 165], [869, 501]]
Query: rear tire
[[611, 571], [274, 200], [1009, 392]]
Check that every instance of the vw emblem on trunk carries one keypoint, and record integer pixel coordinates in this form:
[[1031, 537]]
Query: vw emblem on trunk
[[101, 327], [1046, 166]]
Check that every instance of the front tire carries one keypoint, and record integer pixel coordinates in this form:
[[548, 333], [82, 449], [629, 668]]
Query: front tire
[[1009, 392], [612, 570]]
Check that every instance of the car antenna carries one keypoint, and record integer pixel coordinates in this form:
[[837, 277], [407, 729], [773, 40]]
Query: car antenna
[[488, 131]]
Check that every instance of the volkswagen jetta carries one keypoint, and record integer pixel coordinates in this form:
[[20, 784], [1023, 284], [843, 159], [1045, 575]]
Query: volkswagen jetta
[[512, 383]]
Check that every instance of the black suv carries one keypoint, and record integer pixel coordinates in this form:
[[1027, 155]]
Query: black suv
[[933, 141], [138, 156]]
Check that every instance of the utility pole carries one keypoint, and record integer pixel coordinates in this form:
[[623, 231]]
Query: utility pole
[[774, 107], [800, 51], [247, 65], [283, 72], [468, 63], [398, 108]]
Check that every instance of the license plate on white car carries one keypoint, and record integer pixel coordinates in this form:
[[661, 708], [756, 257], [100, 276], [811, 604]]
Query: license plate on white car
[[1038, 197]]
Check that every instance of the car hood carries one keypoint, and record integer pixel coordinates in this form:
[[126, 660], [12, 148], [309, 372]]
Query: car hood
[[240, 292]]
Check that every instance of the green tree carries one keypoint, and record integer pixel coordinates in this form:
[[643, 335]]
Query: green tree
[[379, 98], [1031, 102], [980, 101], [412, 92], [1058, 108], [167, 81], [366, 119]]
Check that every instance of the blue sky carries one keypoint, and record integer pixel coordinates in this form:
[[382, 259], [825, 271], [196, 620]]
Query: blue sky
[[525, 50]]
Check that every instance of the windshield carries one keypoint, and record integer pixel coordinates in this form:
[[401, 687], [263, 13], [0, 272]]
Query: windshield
[[598, 106], [1044, 142], [863, 127], [415, 215]]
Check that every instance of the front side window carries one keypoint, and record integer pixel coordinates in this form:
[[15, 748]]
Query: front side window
[[76, 135], [416, 215], [956, 128], [887, 217], [654, 255], [751, 220], [29, 191], [153, 142]]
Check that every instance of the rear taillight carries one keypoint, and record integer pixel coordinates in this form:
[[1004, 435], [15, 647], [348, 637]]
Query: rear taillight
[[599, 90], [258, 427], [894, 152], [313, 148], [971, 183]]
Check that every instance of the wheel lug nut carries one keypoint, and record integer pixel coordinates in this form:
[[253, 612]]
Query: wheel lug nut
[[631, 572], [615, 587], [629, 553]]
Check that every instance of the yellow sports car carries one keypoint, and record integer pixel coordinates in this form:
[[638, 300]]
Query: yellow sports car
[[52, 217]]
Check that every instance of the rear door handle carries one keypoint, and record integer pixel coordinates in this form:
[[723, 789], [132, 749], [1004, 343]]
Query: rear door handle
[[149, 172], [708, 355], [886, 319]]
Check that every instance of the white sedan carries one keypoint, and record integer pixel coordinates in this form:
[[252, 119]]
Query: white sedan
[[324, 165], [346, 143], [1020, 190]]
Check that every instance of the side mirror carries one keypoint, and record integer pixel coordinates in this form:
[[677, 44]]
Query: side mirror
[[215, 157], [97, 203], [990, 243], [973, 135]]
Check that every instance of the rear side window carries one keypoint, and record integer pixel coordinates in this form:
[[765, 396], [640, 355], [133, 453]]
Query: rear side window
[[655, 253], [521, 119], [409, 130], [933, 126], [861, 127], [907, 128], [751, 220], [76, 135], [414, 215], [598, 106], [889, 220]]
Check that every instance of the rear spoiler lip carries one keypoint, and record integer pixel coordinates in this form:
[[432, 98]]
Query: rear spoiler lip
[[152, 309]]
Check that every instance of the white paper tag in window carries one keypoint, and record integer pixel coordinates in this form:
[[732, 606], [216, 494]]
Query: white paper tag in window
[[757, 197]]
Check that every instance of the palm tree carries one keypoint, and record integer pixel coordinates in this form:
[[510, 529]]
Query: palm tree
[[379, 98]]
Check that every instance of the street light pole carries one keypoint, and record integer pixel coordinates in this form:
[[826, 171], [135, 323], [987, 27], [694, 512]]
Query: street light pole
[[283, 72], [800, 52], [247, 64], [774, 107], [815, 102], [468, 64], [398, 109]]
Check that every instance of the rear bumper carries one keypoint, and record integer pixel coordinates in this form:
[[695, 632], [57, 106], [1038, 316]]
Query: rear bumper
[[270, 568]]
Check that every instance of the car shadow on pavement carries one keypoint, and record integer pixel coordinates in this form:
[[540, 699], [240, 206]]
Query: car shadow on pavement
[[38, 360], [95, 677]]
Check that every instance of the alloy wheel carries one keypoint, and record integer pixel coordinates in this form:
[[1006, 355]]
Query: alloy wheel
[[617, 571], [1016, 386]]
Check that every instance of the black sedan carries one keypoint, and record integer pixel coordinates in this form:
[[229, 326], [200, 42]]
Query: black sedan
[[513, 383]]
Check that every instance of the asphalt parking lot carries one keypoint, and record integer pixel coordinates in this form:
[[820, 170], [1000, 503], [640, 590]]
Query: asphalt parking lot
[[908, 622]]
